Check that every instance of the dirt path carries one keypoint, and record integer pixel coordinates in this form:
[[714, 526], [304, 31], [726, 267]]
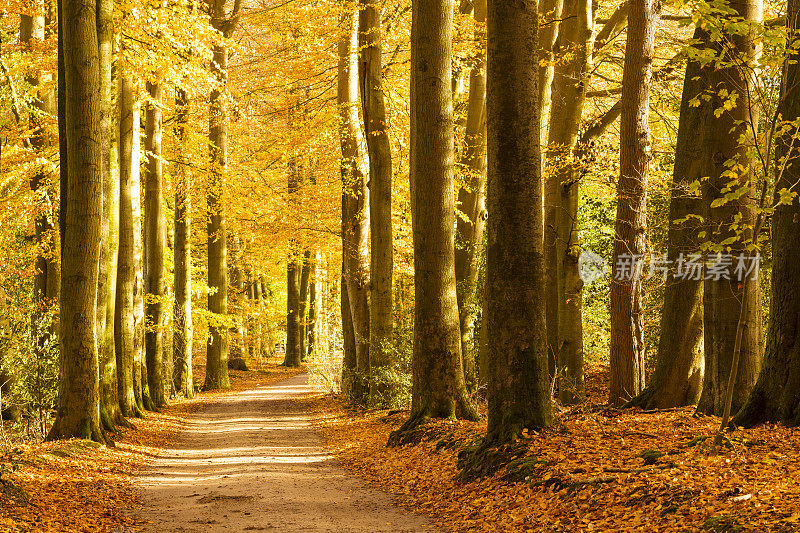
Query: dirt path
[[252, 461]]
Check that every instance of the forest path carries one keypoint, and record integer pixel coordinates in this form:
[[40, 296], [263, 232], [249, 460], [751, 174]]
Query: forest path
[[252, 461]]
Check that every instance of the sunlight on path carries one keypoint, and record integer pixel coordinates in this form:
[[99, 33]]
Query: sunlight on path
[[252, 461]]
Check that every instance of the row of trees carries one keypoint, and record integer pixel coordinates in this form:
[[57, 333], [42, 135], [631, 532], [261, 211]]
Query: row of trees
[[733, 167]]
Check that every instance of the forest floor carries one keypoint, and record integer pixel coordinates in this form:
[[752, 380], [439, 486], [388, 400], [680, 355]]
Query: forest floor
[[259, 457], [596, 469]]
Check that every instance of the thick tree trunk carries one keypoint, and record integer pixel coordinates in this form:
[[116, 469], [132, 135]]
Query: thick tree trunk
[[355, 215], [124, 319], [438, 386], [678, 376], [109, 249], [729, 138], [776, 395], [561, 199], [78, 413], [154, 242], [518, 385], [472, 203], [183, 379], [627, 315], [380, 196]]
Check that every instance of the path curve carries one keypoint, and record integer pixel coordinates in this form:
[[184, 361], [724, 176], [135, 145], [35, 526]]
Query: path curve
[[252, 461]]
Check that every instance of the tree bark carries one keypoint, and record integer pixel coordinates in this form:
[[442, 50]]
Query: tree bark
[[472, 202], [109, 248], [729, 138], [438, 386], [154, 242], [305, 274], [124, 319], [776, 395], [183, 379], [78, 413], [355, 215], [561, 198], [678, 377], [518, 385], [217, 349], [627, 320], [380, 193], [47, 273], [293, 326]]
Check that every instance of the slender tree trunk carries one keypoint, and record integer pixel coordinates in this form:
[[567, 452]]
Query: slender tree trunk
[[472, 203], [78, 413], [124, 319], [518, 392], [438, 386], [305, 274], [293, 327], [355, 215], [349, 344], [217, 349], [314, 307], [729, 138], [627, 315], [561, 198], [678, 377], [109, 249], [47, 274], [380, 193], [154, 242], [776, 395], [183, 378]]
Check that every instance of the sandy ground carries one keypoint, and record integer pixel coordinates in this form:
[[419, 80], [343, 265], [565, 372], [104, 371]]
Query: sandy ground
[[251, 461]]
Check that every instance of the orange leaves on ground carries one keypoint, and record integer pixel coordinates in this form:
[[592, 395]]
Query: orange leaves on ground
[[598, 469], [76, 485]]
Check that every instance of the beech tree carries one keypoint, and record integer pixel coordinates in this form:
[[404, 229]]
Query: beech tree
[[518, 384], [627, 328], [729, 158], [776, 396], [154, 243], [438, 386], [355, 213], [380, 195], [78, 413], [217, 349]]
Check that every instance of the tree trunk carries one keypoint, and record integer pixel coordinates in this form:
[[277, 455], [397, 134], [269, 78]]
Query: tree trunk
[[183, 378], [293, 326], [472, 203], [627, 315], [355, 215], [47, 274], [217, 349], [78, 413], [349, 345], [380, 196], [314, 307], [109, 248], [438, 386], [561, 199], [776, 395], [154, 242], [124, 319], [518, 385], [678, 376], [305, 273], [729, 138]]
